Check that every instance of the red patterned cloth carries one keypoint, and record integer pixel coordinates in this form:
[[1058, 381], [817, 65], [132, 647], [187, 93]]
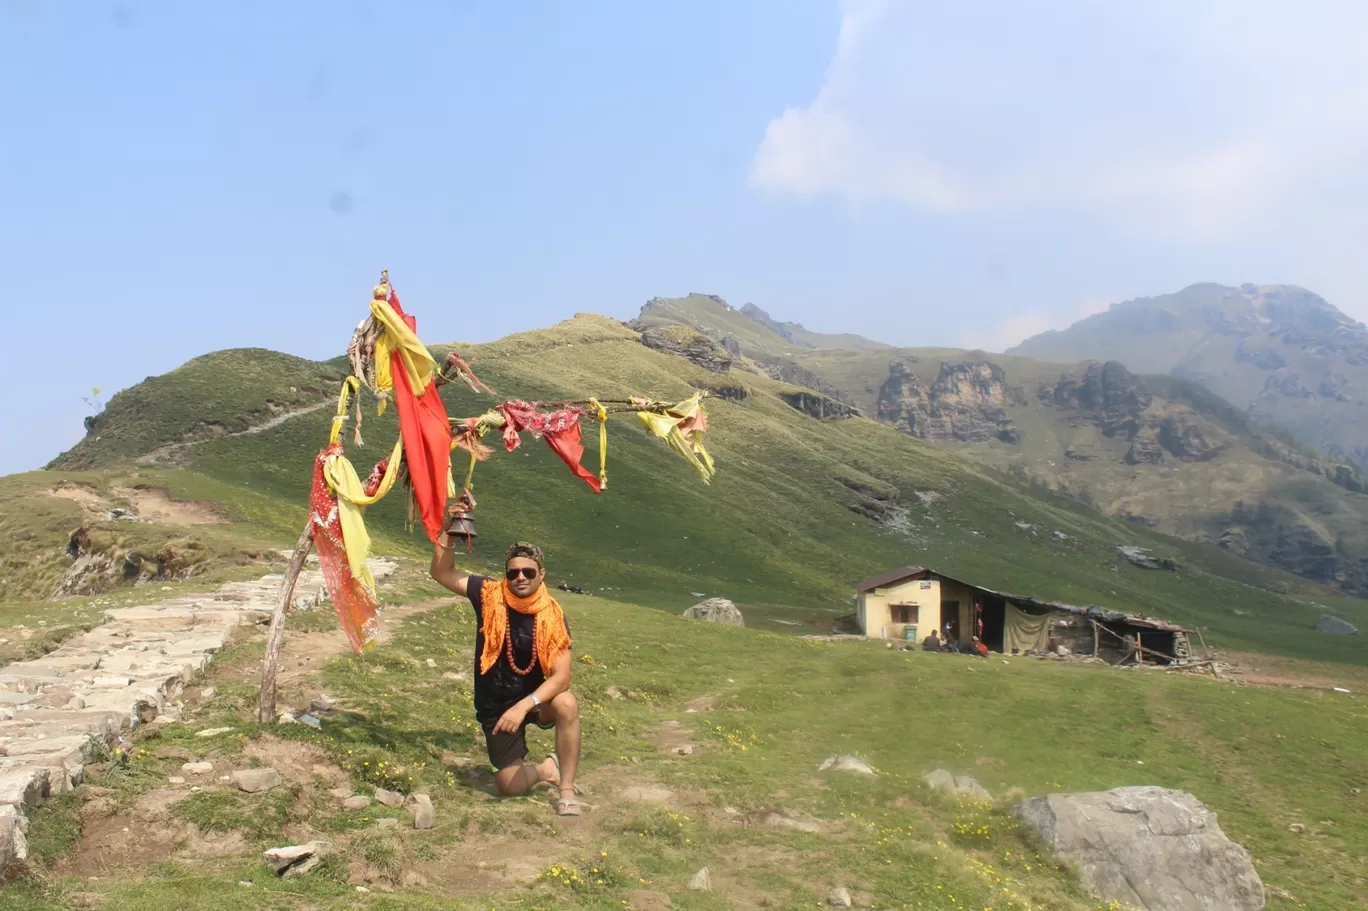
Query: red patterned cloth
[[561, 430], [355, 607]]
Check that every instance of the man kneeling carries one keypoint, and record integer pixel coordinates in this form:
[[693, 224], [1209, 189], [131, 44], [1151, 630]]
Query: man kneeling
[[522, 669]]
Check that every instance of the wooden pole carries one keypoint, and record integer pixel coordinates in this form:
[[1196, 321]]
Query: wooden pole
[[270, 665]]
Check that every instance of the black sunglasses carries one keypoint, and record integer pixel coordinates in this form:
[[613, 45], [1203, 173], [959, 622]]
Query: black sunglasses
[[527, 572]]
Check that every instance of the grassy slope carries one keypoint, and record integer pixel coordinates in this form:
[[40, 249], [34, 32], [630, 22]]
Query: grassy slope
[[774, 528], [718, 320], [773, 707]]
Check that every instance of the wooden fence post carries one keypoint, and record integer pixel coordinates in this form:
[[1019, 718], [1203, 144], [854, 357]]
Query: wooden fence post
[[270, 665]]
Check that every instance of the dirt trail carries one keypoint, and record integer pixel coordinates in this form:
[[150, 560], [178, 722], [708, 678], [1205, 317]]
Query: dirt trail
[[166, 454]]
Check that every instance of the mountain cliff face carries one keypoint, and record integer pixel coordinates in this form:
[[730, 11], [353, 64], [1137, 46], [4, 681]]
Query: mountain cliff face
[[1283, 355], [966, 402]]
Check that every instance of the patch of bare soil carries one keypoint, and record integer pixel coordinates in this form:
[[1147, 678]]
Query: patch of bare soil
[[149, 504], [90, 500], [675, 739], [154, 504], [143, 834], [295, 761], [494, 863], [1274, 670]]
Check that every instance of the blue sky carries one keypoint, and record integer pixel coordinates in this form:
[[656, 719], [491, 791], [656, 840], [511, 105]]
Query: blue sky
[[193, 176]]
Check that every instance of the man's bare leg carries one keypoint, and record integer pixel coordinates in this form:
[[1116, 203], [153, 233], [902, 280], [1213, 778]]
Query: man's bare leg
[[564, 711], [520, 777]]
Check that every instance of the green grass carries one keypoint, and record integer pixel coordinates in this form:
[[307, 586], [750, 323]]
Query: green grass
[[775, 706]]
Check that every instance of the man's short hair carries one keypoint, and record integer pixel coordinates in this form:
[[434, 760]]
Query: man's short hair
[[526, 550]]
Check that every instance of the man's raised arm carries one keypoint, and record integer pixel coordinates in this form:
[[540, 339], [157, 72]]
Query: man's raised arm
[[443, 568]]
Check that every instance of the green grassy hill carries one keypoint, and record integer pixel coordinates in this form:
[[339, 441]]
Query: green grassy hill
[[784, 526]]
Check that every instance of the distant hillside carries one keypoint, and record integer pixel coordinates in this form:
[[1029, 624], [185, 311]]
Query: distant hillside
[[750, 329], [802, 506], [1163, 452], [1278, 352]]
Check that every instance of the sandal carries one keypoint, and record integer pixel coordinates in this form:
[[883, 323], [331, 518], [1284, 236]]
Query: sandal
[[568, 806]]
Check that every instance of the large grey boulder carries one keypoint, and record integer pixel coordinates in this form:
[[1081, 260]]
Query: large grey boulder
[[1154, 848], [1329, 624], [716, 610]]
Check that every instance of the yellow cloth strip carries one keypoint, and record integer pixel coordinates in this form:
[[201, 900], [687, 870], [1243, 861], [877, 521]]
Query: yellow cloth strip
[[666, 426], [351, 505], [418, 362], [602, 415]]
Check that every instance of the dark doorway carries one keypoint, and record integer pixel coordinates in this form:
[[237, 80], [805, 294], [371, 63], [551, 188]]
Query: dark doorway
[[950, 625], [994, 617]]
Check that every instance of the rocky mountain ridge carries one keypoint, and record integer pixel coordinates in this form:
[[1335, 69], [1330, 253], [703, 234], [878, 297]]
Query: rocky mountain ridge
[[1283, 355]]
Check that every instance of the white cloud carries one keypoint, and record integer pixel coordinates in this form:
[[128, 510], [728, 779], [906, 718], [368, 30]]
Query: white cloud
[[1000, 335], [1200, 122]]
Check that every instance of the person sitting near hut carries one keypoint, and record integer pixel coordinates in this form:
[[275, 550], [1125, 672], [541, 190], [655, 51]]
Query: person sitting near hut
[[931, 643], [979, 647], [522, 669]]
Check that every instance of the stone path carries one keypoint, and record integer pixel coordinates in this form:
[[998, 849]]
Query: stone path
[[63, 710]]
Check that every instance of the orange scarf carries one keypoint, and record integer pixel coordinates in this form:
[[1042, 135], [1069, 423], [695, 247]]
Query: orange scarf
[[549, 634]]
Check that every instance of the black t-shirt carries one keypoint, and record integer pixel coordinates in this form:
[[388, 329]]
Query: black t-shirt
[[496, 691]]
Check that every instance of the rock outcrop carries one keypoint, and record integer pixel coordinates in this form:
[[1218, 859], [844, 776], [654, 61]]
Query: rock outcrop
[[1144, 559], [688, 344], [1153, 848], [1112, 398], [967, 403], [716, 610], [816, 405], [1330, 624]]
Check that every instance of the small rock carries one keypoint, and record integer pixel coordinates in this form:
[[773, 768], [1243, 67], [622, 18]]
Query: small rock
[[647, 794], [286, 718], [1296, 828], [298, 858], [362, 889], [424, 815], [845, 764], [358, 802], [340, 793], [431, 663], [171, 753], [840, 898], [389, 798], [1336, 626], [613, 693], [941, 780], [685, 750], [176, 779], [321, 706], [212, 732], [115, 682], [701, 881], [254, 781], [164, 719], [197, 768], [243, 882], [207, 693], [386, 822]]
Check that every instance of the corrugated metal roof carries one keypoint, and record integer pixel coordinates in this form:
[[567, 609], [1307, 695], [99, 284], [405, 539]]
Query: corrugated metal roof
[[888, 578]]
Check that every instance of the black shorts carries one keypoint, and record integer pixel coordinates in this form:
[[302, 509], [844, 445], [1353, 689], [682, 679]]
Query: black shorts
[[507, 749]]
